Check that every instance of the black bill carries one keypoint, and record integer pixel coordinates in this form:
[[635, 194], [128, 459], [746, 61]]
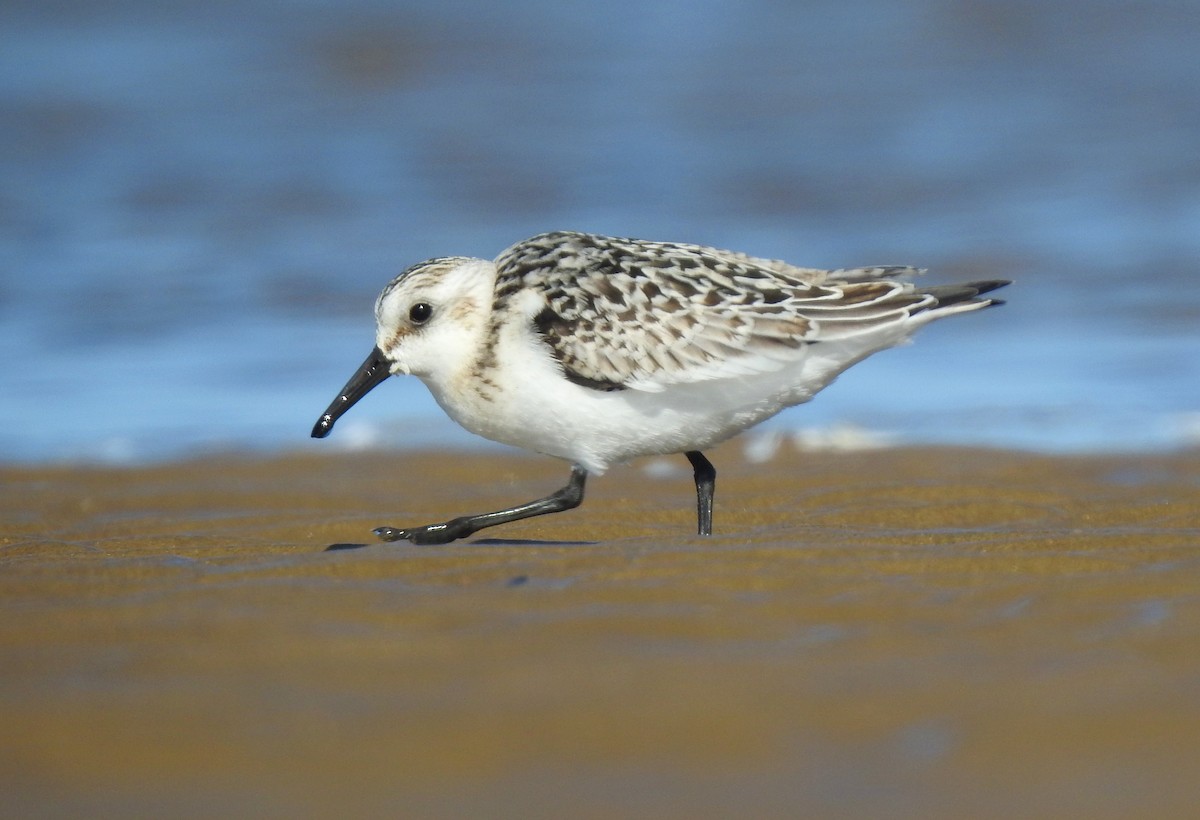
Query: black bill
[[372, 372]]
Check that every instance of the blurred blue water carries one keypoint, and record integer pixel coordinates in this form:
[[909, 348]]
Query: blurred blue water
[[198, 202]]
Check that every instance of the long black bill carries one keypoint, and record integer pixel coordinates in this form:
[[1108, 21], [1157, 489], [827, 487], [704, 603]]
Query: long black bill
[[373, 371]]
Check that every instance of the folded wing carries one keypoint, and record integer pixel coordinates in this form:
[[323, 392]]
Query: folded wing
[[631, 314]]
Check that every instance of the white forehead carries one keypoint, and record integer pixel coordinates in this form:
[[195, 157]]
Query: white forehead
[[435, 280]]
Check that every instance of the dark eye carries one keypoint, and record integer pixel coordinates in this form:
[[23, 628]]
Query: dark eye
[[419, 313]]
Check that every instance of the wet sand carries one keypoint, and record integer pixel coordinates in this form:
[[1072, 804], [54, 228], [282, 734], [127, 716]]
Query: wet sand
[[900, 633]]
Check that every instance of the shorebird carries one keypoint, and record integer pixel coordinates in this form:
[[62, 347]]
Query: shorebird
[[598, 349]]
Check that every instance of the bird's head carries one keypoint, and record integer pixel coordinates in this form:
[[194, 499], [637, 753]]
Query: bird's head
[[428, 320]]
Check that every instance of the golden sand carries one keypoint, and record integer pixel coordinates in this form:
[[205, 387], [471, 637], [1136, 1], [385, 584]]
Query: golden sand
[[902, 633]]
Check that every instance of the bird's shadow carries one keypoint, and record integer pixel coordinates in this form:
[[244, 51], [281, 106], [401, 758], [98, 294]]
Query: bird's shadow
[[530, 542], [482, 542]]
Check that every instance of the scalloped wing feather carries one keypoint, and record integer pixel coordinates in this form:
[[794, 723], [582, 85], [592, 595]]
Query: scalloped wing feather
[[631, 314]]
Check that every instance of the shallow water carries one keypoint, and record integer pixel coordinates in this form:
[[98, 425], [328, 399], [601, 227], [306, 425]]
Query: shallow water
[[198, 203]]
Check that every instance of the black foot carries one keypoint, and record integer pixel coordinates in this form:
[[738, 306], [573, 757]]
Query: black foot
[[429, 534]]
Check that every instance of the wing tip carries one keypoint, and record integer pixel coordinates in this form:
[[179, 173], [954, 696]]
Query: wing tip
[[965, 292]]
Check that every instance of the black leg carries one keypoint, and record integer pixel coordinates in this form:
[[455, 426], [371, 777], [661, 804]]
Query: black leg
[[567, 498], [706, 479]]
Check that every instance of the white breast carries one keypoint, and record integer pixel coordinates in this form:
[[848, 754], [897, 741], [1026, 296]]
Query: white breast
[[525, 401]]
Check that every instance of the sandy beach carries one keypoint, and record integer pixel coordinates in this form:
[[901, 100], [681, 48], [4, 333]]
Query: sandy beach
[[903, 633]]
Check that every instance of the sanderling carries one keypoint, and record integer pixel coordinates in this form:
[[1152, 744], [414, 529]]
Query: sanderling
[[597, 349]]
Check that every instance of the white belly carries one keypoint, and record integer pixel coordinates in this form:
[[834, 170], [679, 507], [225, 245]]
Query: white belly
[[528, 403]]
